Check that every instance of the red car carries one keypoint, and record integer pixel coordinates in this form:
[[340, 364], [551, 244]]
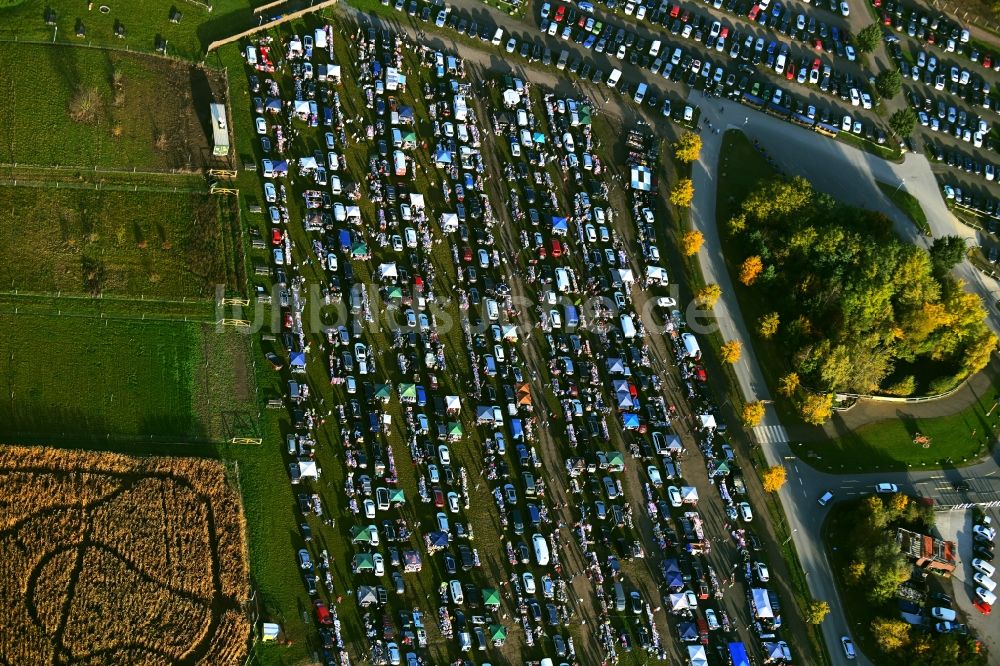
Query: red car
[[323, 613], [754, 11], [556, 248], [438, 498], [987, 61], [818, 44], [790, 72], [560, 13], [876, 3], [289, 322], [675, 11], [982, 607], [886, 19], [276, 236], [467, 255]]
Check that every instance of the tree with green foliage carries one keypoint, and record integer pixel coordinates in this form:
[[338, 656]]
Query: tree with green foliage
[[868, 38], [946, 253], [889, 83], [903, 121]]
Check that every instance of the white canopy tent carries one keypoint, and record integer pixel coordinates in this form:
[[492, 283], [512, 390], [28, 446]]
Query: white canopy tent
[[707, 421], [642, 178], [308, 470], [697, 656], [449, 222]]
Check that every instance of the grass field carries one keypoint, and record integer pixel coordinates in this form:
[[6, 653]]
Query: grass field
[[160, 245], [92, 378], [128, 560], [144, 21], [132, 111], [907, 203], [888, 445]]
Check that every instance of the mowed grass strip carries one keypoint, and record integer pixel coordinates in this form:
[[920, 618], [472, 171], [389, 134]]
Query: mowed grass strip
[[92, 378], [152, 244], [143, 20], [65, 105]]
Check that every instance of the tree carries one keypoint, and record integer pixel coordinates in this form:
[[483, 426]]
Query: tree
[[816, 611], [709, 295], [887, 570], [683, 193], [753, 412], [855, 572], [889, 83], [751, 268], [789, 384], [769, 325], [868, 38], [946, 253], [688, 147], [898, 503], [85, 105], [731, 351], [890, 634], [691, 242], [903, 121], [817, 408], [774, 477]]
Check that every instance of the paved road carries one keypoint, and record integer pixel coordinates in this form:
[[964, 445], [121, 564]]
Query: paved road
[[849, 175]]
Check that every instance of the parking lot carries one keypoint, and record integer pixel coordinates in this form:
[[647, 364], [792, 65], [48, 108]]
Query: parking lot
[[499, 378]]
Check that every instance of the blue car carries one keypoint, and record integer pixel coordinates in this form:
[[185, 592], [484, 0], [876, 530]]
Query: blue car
[[589, 42]]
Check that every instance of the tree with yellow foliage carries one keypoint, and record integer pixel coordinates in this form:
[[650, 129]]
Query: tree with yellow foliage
[[816, 611], [751, 269], [709, 295], [817, 408], [691, 242], [789, 384], [688, 147], [683, 193], [753, 412], [890, 634], [898, 502], [731, 351], [773, 478], [855, 572], [769, 325]]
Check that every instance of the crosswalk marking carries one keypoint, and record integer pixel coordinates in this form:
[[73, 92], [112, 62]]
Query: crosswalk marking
[[771, 434]]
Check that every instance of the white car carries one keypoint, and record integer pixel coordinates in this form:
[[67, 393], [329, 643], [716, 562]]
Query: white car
[[444, 455], [261, 125], [379, 564], [848, 645], [654, 476], [886, 488], [984, 581], [511, 45], [985, 532], [369, 508], [763, 575], [666, 302], [984, 566], [270, 194], [745, 512], [529, 582], [987, 596], [621, 52], [849, 50], [591, 233], [845, 10], [453, 502], [455, 588], [674, 493]]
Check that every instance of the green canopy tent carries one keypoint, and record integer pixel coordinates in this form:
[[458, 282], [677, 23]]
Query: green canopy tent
[[363, 562], [383, 392], [491, 597], [359, 250], [722, 469], [454, 431], [360, 534], [585, 115], [498, 634], [408, 392], [394, 292], [397, 495], [616, 461]]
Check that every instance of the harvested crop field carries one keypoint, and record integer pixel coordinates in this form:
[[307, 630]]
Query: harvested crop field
[[111, 559], [88, 107], [151, 244]]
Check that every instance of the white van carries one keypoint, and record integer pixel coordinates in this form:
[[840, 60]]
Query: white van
[[562, 280], [320, 36], [497, 37], [563, 59], [640, 93], [541, 549], [614, 77], [691, 347], [492, 310], [654, 50], [251, 55]]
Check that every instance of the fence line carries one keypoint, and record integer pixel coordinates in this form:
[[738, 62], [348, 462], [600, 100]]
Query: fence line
[[67, 185], [105, 47], [134, 171], [185, 300], [888, 398]]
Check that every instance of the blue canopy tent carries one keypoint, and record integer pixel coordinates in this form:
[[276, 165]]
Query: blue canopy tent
[[738, 654], [538, 137], [688, 632], [516, 430], [560, 225], [298, 361], [630, 421], [442, 156]]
